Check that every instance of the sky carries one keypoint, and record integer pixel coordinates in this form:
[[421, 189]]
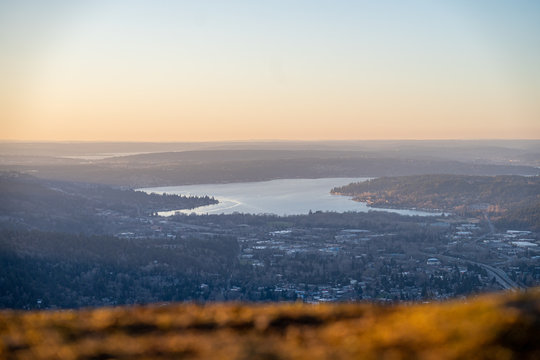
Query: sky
[[129, 70]]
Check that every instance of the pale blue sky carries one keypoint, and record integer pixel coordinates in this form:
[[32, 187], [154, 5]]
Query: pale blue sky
[[223, 70]]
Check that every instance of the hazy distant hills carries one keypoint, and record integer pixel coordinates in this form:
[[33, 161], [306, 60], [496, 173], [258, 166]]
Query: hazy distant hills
[[504, 326], [521, 152], [192, 167], [154, 164]]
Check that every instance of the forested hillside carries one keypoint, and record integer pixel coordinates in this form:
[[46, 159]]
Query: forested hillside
[[60, 270], [512, 200], [29, 202]]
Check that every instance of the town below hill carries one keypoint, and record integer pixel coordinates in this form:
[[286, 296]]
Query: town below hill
[[73, 245]]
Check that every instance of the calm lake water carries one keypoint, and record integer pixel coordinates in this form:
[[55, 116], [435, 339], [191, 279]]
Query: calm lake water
[[280, 197]]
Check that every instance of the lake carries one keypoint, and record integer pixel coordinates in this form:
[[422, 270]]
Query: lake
[[280, 197]]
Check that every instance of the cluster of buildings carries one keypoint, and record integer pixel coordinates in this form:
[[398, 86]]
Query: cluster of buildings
[[321, 264]]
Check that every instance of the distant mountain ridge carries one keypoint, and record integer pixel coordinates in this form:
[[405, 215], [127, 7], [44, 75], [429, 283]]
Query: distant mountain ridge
[[228, 166]]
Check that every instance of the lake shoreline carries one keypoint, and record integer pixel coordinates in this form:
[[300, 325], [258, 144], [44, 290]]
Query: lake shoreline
[[280, 197]]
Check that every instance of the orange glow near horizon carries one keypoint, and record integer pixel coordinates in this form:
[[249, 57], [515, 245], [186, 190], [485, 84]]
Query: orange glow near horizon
[[309, 71]]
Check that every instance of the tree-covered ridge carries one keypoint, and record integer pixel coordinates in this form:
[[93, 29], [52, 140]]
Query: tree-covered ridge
[[67, 206], [502, 196], [15, 187], [491, 327], [445, 191]]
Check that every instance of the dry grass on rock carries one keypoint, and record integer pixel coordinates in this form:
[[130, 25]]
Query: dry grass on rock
[[505, 326]]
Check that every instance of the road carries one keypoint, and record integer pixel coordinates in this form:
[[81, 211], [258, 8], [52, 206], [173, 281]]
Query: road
[[500, 276]]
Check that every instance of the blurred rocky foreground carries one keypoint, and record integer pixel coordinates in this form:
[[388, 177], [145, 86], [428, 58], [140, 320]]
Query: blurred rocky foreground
[[502, 326]]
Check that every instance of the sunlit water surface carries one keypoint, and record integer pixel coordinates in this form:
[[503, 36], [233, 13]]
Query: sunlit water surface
[[280, 197]]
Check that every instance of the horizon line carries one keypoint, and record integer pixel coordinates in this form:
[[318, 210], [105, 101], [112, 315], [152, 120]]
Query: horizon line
[[255, 140]]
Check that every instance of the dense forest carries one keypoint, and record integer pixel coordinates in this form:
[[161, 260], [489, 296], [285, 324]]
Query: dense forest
[[51, 269], [511, 200]]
